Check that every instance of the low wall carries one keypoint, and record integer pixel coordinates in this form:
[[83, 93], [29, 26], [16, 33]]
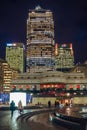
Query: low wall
[[69, 121]]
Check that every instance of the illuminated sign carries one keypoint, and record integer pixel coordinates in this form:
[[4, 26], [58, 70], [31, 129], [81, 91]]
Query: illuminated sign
[[14, 44], [11, 44], [17, 96]]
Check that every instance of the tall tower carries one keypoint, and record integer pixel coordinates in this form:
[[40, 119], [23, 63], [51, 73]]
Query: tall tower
[[6, 76], [15, 56], [40, 40], [64, 59]]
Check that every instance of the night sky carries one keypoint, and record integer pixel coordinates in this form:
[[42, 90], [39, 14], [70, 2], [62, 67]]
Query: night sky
[[70, 17]]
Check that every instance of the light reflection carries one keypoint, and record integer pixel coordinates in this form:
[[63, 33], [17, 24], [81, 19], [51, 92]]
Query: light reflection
[[68, 111]]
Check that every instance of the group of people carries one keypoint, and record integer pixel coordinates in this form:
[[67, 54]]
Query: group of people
[[13, 107]]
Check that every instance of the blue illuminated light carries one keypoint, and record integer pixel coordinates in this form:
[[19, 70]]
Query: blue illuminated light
[[9, 44]]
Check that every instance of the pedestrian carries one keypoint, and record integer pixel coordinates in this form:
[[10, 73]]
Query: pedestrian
[[49, 104], [55, 103], [20, 107], [12, 107]]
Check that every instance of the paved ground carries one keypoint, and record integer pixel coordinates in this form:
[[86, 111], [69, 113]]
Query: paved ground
[[42, 123], [37, 122]]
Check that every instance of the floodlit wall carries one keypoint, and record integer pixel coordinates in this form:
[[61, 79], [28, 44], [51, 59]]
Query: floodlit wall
[[80, 100], [43, 100]]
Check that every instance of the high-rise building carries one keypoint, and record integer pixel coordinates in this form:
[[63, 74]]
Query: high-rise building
[[15, 56], [6, 75], [64, 59], [40, 40]]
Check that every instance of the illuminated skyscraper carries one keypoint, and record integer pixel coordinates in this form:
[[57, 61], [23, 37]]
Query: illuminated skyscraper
[[6, 75], [40, 40], [15, 56], [64, 59]]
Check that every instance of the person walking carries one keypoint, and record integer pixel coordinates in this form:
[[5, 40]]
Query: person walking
[[55, 104], [20, 107], [12, 107], [49, 104]]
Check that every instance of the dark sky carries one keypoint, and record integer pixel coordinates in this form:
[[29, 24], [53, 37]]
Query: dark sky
[[70, 18]]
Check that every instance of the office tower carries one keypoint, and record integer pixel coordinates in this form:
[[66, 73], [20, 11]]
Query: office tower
[[15, 56], [40, 40], [64, 59], [6, 75]]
